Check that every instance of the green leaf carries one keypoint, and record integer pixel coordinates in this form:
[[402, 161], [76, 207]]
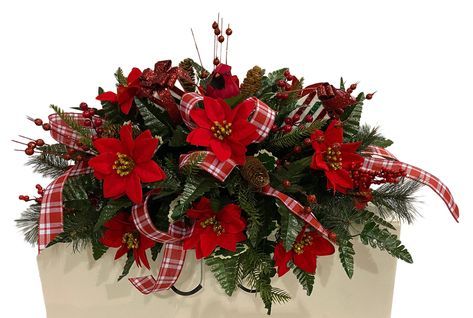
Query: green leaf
[[98, 249], [77, 188], [247, 201], [346, 254], [305, 279], [109, 211], [366, 216], [226, 269], [290, 227], [352, 124], [128, 264], [369, 136], [151, 121], [121, 79], [179, 137], [342, 83], [374, 236], [155, 250]]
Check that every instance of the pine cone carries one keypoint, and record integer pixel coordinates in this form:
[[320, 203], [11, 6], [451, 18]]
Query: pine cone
[[255, 173], [252, 83], [187, 66]]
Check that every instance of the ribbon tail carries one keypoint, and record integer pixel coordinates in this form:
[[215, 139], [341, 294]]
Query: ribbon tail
[[51, 214], [297, 208]]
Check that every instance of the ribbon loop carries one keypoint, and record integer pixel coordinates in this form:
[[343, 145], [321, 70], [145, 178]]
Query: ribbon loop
[[174, 253]]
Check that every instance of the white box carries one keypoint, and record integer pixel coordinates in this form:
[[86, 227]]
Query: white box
[[76, 286]]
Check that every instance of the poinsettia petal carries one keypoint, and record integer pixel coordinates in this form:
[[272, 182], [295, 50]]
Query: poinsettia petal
[[121, 251], [134, 75], [108, 145], [107, 97], [149, 171], [221, 149], [126, 137], [348, 159], [334, 133], [126, 105], [114, 186], [208, 242], [306, 262], [111, 238], [133, 188], [281, 258], [200, 137], [144, 149], [142, 256], [214, 109], [102, 164], [199, 116], [340, 180], [243, 110], [322, 246], [227, 241], [350, 147]]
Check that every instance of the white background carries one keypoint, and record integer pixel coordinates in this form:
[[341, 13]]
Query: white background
[[417, 56]]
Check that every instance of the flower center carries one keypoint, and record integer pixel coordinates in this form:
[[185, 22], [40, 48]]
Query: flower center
[[333, 157], [298, 247], [216, 226], [123, 165], [221, 130], [131, 240]]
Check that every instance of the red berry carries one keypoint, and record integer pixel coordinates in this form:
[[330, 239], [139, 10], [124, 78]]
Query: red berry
[[83, 106], [29, 151], [281, 83], [221, 38], [296, 117], [79, 158], [290, 77], [309, 118], [297, 149], [307, 210], [87, 122], [31, 144], [71, 151], [21, 197], [66, 156], [40, 142], [332, 237], [286, 183], [229, 31], [85, 148], [46, 126], [40, 191], [38, 200], [38, 186], [214, 25], [287, 128], [92, 112], [99, 130], [217, 31], [307, 141], [216, 61], [349, 91], [311, 198], [287, 73], [353, 86], [98, 122], [86, 114], [38, 122], [288, 120], [282, 95], [369, 96], [274, 128], [26, 198]]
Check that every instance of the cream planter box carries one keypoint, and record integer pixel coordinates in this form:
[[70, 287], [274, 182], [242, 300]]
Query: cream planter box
[[76, 286]]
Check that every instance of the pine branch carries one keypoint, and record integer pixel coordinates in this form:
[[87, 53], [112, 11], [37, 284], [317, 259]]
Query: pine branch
[[397, 200], [366, 216], [374, 236], [247, 201], [74, 125], [369, 136], [121, 79], [28, 223], [282, 141], [49, 162]]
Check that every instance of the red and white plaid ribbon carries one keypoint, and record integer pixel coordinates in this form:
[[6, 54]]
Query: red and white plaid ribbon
[[51, 214], [209, 163], [174, 253], [378, 158]]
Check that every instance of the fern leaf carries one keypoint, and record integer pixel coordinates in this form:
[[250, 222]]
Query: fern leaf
[[305, 279], [156, 126], [374, 236], [352, 124], [128, 264], [290, 227], [227, 271], [346, 254], [366, 216], [109, 211]]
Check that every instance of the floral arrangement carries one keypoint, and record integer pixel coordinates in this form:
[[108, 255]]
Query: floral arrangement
[[258, 178]]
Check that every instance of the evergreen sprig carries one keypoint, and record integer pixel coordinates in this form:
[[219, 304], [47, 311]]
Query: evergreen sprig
[[49, 162], [74, 125], [370, 136], [28, 223], [283, 141]]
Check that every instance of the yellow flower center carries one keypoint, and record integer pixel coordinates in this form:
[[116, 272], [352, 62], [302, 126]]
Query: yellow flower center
[[333, 157], [214, 223], [298, 247], [123, 165], [221, 130], [131, 240]]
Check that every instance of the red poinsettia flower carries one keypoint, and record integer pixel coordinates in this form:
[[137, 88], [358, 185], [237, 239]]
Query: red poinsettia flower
[[222, 83], [120, 232], [223, 228], [334, 157], [304, 252], [225, 131], [125, 93], [123, 164]]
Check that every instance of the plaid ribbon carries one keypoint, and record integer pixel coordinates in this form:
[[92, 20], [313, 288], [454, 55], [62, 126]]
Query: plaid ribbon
[[378, 158], [298, 209], [262, 117], [51, 214], [174, 253], [209, 163]]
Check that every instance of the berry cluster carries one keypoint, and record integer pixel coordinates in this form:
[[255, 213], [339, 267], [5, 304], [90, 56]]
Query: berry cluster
[[39, 199]]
